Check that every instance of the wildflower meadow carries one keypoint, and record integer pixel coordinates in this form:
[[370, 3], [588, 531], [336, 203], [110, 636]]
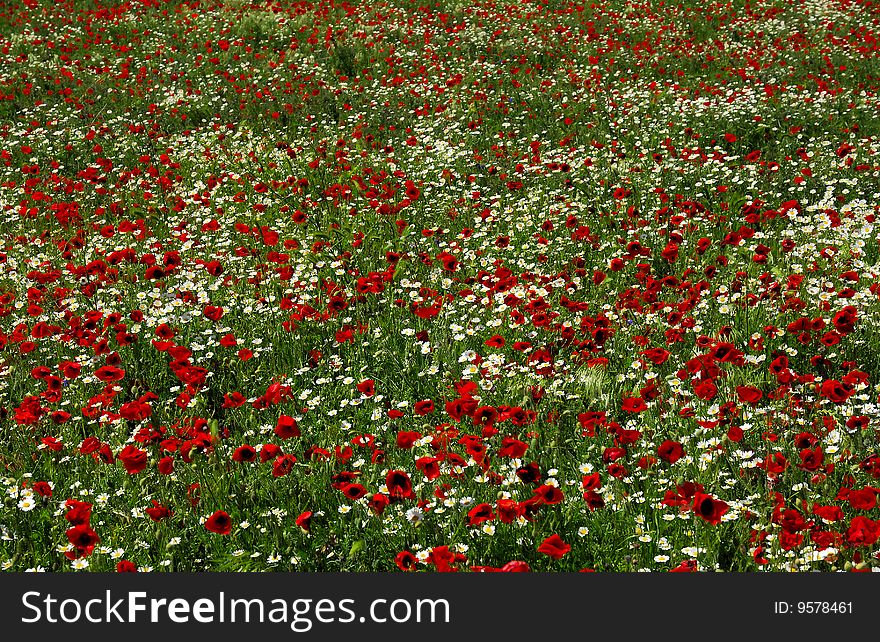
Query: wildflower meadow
[[454, 285]]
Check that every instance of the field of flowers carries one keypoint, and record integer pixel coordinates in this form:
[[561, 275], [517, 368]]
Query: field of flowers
[[442, 286]]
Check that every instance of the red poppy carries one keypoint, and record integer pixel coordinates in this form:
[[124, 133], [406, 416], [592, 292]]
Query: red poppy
[[70, 370], [157, 512], [513, 448], [749, 394], [634, 404], [591, 482], [507, 510], [530, 473], [407, 438], [845, 320], [862, 531], [399, 485], [657, 356], [554, 547], [709, 508], [862, 499], [828, 513], [705, 390], [213, 312], [43, 489], [165, 466], [353, 491], [83, 539], [686, 566], [812, 459], [133, 459], [219, 523], [549, 494], [429, 466], [283, 465], [136, 410], [479, 514], [670, 451], [378, 502], [834, 391], [244, 453], [405, 561], [304, 520], [77, 512], [594, 500], [109, 373], [495, 341], [287, 427], [367, 387]]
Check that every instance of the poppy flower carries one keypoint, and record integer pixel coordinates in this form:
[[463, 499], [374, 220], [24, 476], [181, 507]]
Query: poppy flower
[[304, 520], [83, 538], [862, 531], [70, 370], [407, 438], [594, 500], [812, 458], [685, 566], [244, 453], [512, 447], [133, 459], [424, 407], [109, 373], [283, 465], [834, 391], [378, 502], [165, 465], [405, 561], [429, 467], [845, 320], [709, 508], [591, 482], [705, 390], [863, 499], [399, 485], [157, 512], [634, 405], [213, 312], [353, 491], [670, 451], [219, 522], [269, 452], [495, 341], [554, 547], [529, 474], [286, 427], [749, 394], [77, 512], [657, 356], [549, 494], [479, 514], [367, 388], [135, 410], [507, 510], [43, 489], [828, 513], [448, 261]]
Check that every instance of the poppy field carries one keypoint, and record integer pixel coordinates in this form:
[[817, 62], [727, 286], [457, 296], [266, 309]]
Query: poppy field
[[439, 286]]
